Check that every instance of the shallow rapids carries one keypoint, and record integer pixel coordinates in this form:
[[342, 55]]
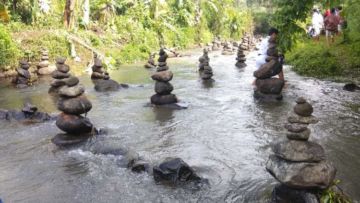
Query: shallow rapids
[[224, 134]]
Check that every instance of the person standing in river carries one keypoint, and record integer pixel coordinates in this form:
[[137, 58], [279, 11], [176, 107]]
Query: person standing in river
[[264, 46], [331, 26]]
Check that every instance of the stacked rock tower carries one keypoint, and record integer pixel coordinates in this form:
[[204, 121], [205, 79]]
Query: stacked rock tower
[[43, 65], [23, 78], [227, 49], [240, 58], [101, 78], [204, 67], [163, 88], [216, 44], [299, 164], [73, 103], [59, 75], [151, 61], [266, 86], [98, 71]]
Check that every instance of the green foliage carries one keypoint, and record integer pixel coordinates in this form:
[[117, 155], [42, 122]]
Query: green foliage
[[8, 49], [317, 59], [262, 22], [287, 19], [332, 195], [55, 43], [352, 12]]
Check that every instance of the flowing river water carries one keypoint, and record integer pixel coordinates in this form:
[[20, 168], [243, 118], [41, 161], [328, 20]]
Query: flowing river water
[[224, 134]]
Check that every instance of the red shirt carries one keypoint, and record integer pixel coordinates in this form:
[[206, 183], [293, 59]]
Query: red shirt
[[331, 22]]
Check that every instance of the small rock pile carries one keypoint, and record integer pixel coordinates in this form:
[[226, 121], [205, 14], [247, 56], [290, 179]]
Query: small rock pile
[[151, 61], [245, 43], [59, 75], [101, 79], [299, 164], [240, 59], [266, 86], [227, 49], [24, 77], [98, 71], [73, 104], [163, 88], [43, 67], [204, 67], [216, 44]]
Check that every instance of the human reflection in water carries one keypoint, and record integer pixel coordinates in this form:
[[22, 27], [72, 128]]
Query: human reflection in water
[[163, 115], [208, 83]]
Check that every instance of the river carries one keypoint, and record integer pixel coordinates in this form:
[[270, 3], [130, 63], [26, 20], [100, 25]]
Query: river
[[224, 134]]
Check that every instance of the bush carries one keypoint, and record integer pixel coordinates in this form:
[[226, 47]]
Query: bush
[[262, 22], [56, 44], [317, 60], [8, 49]]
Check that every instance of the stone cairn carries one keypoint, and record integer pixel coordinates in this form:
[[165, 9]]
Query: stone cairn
[[59, 75], [162, 77], [151, 61], [240, 59], [266, 86], [73, 103], [298, 164], [204, 67], [98, 71], [24, 77], [227, 49], [216, 44], [43, 67], [101, 78]]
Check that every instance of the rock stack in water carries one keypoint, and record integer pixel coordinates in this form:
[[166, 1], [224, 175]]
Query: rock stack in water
[[43, 67], [298, 164], [163, 88], [151, 61], [24, 77], [204, 67], [227, 49], [98, 71], [101, 78], [59, 75], [216, 44], [266, 86], [240, 58], [73, 103]]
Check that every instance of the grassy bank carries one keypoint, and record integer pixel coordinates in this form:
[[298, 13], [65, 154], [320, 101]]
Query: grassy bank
[[339, 61]]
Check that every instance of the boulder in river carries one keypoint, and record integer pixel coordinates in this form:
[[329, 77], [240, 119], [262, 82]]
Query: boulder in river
[[284, 194], [174, 171], [74, 124]]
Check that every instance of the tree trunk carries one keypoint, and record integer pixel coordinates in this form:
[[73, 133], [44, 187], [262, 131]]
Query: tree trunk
[[69, 15], [86, 10]]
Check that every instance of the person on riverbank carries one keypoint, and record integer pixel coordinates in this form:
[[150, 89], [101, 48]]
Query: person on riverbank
[[331, 26], [317, 24]]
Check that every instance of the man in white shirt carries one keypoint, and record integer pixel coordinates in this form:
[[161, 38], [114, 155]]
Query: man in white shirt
[[317, 23]]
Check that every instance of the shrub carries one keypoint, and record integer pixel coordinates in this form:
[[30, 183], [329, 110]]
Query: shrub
[[8, 49]]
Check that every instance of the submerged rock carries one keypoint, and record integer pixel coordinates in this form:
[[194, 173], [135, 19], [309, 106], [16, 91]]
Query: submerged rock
[[106, 85], [283, 194], [174, 171]]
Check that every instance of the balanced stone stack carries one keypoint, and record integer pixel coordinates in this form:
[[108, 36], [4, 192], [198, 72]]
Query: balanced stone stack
[[204, 67], [73, 104], [163, 88], [98, 71], [227, 49], [266, 86], [297, 163], [59, 75], [101, 79], [23, 78], [240, 59], [216, 44], [43, 67], [151, 61]]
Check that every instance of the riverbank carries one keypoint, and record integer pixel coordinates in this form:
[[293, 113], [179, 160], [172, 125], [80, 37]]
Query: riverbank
[[338, 62]]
